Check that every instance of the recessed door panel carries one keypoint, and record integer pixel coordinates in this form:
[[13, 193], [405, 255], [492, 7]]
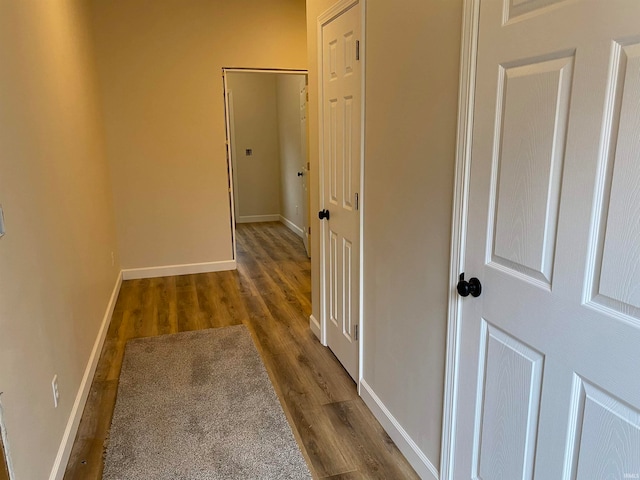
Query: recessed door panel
[[333, 151], [333, 278], [510, 379], [347, 280], [617, 266], [516, 8], [347, 184], [531, 125], [607, 434], [349, 47], [333, 60]]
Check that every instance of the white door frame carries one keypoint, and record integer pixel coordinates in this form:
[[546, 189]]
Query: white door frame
[[229, 140], [336, 10], [466, 93]]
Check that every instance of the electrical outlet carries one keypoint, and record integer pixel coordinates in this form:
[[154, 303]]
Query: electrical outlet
[[56, 393], [113, 259], [1, 222]]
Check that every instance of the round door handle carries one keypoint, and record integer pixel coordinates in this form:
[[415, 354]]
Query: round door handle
[[473, 287], [323, 214], [300, 174]]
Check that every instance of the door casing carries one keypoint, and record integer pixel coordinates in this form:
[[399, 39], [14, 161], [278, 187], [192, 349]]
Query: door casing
[[228, 112], [336, 10], [466, 92]]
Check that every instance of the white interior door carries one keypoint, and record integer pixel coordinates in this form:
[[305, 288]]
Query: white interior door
[[304, 181], [341, 123], [549, 364]]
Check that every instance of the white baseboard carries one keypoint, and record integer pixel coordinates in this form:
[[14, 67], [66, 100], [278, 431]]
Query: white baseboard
[[258, 218], [314, 324], [170, 270], [418, 460], [292, 226], [69, 436]]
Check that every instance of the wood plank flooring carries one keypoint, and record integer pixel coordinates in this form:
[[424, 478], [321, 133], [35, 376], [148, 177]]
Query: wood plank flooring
[[4, 470], [270, 293]]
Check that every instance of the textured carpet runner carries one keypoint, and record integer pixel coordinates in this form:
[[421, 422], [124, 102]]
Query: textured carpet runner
[[199, 405]]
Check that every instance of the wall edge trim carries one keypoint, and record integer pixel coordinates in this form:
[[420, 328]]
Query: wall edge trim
[[171, 270], [69, 435], [292, 226], [314, 325], [275, 217], [466, 93], [418, 460]]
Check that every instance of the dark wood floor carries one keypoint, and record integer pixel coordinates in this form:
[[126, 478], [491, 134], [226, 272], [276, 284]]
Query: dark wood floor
[[270, 293], [4, 471]]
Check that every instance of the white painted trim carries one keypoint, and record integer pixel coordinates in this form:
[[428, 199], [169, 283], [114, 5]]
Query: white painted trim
[[363, 75], [321, 224], [468, 56], [292, 226], [330, 14], [314, 325], [170, 270], [266, 70], [274, 217], [418, 460], [230, 145], [64, 451]]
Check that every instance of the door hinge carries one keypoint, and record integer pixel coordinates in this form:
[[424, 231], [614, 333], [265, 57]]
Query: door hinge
[[308, 166], [357, 201], [309, 230], [355, 332], [357, 49]]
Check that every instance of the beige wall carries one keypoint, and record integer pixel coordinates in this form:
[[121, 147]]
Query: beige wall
[[292, 158], [413, 51], [255, 127], [160, 70], [56, 275], [412, 56]]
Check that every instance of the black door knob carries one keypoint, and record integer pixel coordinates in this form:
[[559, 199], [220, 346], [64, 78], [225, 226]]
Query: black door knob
[[473, 287], [322, 214], [300, 174]]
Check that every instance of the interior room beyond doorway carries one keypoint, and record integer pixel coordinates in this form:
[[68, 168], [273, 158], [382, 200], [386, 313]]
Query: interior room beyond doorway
[[266, 114]]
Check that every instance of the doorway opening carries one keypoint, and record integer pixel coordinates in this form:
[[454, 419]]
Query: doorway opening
[[266, 124]]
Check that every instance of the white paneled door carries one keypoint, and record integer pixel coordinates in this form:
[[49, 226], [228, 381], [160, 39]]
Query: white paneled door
[[340, 163], [549, 364]]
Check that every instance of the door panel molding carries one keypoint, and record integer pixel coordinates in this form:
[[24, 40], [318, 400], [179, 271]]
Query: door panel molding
[[616, 171]]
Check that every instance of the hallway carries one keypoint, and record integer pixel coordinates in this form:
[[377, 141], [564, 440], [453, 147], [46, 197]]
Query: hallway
[[270, 294]]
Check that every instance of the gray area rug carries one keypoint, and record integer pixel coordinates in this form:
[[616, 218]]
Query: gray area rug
[[199, 405]]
